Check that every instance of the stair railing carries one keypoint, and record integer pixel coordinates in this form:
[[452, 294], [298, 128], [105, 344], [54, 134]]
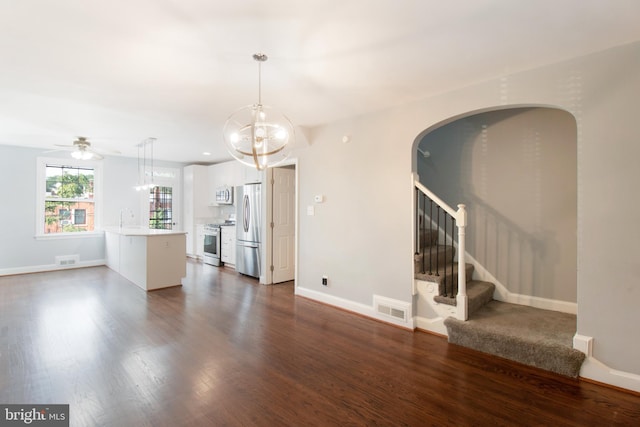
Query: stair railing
[[459, 217]]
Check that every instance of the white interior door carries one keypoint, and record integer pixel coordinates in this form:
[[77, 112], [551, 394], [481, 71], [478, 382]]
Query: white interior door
[[283, 251]]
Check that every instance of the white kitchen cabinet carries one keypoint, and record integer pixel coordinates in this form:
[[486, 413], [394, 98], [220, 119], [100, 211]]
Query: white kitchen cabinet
[[228, 245], [251, 175], [196, 203], [199, 250], [227, 174]]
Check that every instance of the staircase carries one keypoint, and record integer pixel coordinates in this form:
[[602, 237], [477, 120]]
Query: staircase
[[436, 263], [528, 335]]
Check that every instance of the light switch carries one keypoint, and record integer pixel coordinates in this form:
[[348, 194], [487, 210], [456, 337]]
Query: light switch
[[311, 210]]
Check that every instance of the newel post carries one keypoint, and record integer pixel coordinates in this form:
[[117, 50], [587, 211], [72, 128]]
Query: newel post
[[461, 298]]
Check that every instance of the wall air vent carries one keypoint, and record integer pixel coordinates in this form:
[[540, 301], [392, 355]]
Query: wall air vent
[[391, 308], [67, 260]]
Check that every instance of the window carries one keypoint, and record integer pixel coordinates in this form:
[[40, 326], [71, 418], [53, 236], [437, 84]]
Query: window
[[67, 197], [160, 208], [80, 216]]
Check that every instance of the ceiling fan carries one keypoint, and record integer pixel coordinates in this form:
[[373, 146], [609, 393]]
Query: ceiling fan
[[81, 149]]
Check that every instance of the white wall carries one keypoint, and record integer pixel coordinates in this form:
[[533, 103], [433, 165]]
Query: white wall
[[361, 236], [19, 251]]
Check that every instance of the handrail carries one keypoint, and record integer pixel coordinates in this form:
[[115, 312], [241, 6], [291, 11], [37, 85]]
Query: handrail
[[460, 217], [438, 200]]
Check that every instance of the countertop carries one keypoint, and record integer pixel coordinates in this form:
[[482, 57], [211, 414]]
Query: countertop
[[140, 231]]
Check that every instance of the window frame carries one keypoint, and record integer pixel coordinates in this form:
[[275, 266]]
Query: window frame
[[74, 215], [163, 221], [41, 177]]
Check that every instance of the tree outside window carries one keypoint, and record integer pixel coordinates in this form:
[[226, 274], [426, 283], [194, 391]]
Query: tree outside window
[[69, 202]]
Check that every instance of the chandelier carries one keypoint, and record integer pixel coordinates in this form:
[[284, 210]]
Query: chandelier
[[258, 135]]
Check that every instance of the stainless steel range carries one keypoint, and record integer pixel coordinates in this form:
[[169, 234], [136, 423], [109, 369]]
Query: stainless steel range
[[212, 244]]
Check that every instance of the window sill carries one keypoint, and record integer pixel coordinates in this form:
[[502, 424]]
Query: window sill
[[76, 235]]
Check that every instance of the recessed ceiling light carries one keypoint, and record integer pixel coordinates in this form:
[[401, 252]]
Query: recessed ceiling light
[[206, 153]]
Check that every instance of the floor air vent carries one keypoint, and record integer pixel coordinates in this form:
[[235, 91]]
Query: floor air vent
[[391, 308]]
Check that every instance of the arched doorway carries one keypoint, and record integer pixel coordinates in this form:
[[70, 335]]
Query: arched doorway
[[516, 171]]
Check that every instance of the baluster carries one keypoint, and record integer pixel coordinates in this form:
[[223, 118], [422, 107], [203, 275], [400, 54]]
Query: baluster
[[453, 283], [417, 213], [430, 238], [424, 218], [437, 239], [444, 251]]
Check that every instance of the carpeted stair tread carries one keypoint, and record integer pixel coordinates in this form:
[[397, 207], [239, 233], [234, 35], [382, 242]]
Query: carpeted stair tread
[[528, 335], [431, 257], [478, 294]]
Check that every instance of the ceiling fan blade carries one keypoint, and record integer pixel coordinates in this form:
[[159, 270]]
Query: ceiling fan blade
[[80, 146], [104, 150]]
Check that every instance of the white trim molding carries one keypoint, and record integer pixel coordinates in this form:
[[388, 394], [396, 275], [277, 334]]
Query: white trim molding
[[595, 370], [359, 308], [427, 306], [50, 267], [584, 344]]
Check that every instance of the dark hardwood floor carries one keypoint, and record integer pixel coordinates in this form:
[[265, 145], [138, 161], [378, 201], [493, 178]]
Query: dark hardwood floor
[[223, 350]]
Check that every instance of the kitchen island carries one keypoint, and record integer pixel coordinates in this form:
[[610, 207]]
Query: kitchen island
[[151, 259]]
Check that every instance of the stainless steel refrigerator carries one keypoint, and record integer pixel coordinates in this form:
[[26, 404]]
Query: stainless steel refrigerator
[[248, 229]]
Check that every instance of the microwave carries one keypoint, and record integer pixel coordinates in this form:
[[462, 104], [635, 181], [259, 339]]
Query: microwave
[[224, 195]]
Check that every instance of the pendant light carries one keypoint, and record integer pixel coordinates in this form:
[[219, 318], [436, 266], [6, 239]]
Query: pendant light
[[259, 135], [143, 182]]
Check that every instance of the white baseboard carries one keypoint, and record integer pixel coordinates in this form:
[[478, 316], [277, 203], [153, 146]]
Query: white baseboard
[[503, 294], [435, 325], [595, 370], [50, 267], [362, 309]]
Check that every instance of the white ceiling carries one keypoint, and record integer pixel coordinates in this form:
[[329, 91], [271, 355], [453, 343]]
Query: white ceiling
[[120, 71]]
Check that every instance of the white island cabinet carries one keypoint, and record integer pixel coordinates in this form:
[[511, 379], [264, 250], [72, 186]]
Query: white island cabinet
[[152, 259]]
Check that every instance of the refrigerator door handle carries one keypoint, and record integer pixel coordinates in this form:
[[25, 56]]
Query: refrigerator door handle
[[246, 213]]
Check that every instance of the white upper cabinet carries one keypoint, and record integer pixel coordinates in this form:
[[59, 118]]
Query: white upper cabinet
[[231, 174], [196, 191], [251, 174]]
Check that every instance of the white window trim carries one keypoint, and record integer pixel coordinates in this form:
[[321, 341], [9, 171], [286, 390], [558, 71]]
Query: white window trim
[[42, 163], [164, 177]]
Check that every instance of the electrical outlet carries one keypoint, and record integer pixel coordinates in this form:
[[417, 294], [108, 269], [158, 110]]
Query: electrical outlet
[[325, 280]]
